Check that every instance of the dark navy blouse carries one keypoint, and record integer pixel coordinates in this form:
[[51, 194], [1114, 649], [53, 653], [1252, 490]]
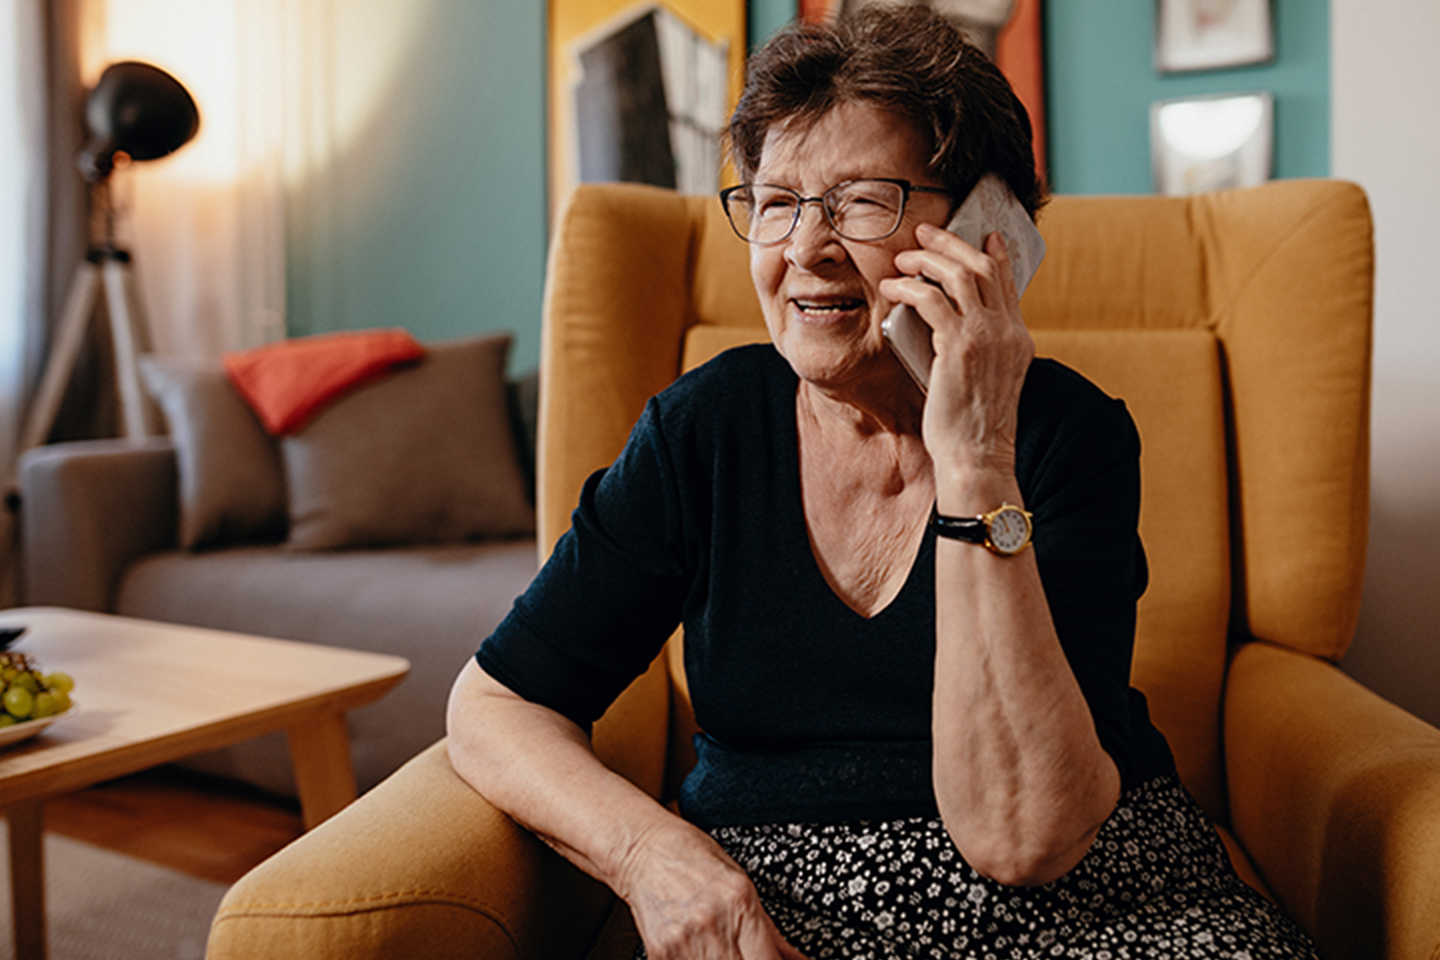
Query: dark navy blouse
[[812, 712]]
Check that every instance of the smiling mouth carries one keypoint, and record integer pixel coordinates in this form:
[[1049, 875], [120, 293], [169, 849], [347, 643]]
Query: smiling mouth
[[826, 308]]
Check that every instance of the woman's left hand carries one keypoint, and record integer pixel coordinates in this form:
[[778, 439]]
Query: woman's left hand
[[982, 348], [1021, 779]]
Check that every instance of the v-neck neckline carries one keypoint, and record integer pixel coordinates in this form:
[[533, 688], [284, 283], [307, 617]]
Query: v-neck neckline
[[801, 537]]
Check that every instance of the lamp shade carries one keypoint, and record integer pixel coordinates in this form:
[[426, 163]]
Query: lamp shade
[[139, 110]]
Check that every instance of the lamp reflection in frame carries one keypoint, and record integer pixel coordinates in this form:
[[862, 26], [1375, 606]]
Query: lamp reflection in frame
[[136, 112], [1217, 142]]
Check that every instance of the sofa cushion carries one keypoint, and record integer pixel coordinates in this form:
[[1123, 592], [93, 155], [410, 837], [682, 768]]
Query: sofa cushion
[[430, 604], [288, 382], [231, 482], [425, 455]]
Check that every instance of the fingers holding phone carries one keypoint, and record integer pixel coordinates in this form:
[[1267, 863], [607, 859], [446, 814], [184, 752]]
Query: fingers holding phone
[[960, 334], [972, 280], [975, 277]]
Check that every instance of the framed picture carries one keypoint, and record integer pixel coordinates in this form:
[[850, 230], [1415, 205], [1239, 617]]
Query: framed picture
[[639, 91], [1211, 34], [1219, 142]]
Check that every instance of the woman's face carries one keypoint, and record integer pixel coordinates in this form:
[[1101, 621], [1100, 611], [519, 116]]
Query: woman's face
[[819, 292]]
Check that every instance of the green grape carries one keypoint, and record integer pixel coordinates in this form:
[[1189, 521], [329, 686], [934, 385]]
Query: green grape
[[19, 701], [27, 693]]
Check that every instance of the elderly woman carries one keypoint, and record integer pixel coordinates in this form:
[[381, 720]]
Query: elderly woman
[[920, 738]]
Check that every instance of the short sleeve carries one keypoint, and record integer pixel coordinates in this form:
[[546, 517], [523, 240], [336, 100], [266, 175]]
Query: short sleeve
[[611, 594]]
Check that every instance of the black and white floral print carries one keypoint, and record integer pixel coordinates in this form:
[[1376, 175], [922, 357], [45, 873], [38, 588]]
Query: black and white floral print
[[1157, 883]]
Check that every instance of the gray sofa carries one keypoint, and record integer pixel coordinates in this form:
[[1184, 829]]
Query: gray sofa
[[99, 523]]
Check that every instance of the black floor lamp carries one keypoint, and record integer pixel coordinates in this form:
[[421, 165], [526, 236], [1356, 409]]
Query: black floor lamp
[[143, 113]]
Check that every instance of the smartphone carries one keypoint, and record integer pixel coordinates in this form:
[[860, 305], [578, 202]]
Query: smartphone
[[991, 206]]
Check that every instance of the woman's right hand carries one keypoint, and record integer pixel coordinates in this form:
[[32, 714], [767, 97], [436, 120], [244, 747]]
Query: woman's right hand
[[692, 902], [689, 899]]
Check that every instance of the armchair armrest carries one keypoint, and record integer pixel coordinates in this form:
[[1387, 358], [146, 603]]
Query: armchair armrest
[[89, 508], [421, 866], [1335, 794]]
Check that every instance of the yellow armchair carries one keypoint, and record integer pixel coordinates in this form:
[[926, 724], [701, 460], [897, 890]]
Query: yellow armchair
[[1237, 328]]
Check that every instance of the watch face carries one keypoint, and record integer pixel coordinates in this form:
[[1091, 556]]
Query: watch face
[[1009, 530]]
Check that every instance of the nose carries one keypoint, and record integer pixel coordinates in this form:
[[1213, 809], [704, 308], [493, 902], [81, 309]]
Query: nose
[[814, 240]]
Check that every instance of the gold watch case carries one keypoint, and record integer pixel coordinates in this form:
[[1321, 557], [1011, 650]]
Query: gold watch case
[[1008, 529]]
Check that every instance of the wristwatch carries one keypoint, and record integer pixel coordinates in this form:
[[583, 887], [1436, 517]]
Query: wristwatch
[[1004, 531]]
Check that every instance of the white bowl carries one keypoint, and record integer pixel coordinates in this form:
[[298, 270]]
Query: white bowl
[[25, 729]]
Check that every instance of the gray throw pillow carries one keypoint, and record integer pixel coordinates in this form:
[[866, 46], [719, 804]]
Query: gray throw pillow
[[232, 484], [424, 455]]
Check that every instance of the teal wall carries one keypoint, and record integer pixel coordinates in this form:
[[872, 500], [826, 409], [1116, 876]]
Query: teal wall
[[1100, 82], [434, 218], [764, 17]]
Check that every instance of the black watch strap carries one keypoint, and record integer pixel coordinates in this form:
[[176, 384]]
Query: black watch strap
[[969, 529]]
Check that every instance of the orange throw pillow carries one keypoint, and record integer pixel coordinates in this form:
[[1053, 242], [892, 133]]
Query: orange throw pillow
[[287, 383]]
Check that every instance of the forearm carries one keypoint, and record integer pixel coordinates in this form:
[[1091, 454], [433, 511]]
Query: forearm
[[539, 768], [1022, 781], [686, 894]]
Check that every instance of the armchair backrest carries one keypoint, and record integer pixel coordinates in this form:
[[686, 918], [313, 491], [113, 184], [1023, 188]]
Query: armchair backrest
[[1235, 325]]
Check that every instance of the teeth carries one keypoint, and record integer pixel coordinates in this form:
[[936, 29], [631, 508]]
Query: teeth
[[826, 307]]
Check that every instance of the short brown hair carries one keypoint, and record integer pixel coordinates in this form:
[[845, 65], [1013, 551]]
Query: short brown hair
[[909, 59]]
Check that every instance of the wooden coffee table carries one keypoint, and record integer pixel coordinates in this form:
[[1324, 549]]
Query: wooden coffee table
[[151, 693]]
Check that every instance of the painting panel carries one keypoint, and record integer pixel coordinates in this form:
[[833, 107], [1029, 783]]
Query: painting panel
[[1211, 34], [640, 91], [1219, 142]]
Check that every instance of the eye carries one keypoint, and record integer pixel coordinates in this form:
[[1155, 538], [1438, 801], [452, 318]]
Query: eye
[[773, 204], [868, 196]]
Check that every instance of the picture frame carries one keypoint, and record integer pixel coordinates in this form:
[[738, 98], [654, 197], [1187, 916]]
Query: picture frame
[[608, 59], [1218, 142], [1193, 35]]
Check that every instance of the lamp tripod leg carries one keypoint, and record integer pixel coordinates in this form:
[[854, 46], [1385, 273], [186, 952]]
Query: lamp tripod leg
[[79, 307], [128, 335]]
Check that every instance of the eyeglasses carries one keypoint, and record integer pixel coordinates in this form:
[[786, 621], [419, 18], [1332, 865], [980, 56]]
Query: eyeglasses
[[860, 210]]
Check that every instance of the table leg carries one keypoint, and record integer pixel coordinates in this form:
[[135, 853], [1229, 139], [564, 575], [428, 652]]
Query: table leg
[[324, 774], [27, 878]]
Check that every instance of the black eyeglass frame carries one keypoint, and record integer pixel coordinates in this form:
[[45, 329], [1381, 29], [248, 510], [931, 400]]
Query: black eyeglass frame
[[905, 186]]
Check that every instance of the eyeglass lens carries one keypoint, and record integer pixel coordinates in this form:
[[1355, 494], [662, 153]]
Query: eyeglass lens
[[858, 210]]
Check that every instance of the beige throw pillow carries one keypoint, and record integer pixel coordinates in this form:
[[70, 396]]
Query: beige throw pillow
[[426, 454], [232, 485]]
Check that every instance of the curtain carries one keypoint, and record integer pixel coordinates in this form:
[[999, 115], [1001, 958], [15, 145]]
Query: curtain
[[23, 239], [206, 225]]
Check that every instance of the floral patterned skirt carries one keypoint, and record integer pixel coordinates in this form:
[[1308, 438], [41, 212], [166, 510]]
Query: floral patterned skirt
[[1157, 882]]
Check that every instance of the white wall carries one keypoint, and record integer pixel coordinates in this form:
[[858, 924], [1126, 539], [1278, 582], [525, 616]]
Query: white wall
[[1385, 78]]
